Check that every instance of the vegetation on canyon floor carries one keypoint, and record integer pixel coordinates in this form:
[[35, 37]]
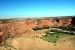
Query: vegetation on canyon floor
[[53, 37], [55, 34]]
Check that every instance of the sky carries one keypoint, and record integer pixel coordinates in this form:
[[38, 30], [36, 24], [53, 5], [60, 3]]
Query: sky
[[36, 8]]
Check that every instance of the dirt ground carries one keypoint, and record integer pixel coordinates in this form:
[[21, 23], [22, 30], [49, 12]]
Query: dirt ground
[[22, 43]]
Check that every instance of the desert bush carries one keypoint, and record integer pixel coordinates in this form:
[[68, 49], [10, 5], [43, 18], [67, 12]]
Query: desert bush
[[40, 28]]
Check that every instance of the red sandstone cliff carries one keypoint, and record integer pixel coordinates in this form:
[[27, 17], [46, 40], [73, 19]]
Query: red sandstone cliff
[[22, 26]]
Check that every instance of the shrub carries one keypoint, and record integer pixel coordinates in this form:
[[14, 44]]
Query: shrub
[[57, 36]]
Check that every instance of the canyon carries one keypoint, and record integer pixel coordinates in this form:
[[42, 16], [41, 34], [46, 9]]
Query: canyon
[[16, 28]]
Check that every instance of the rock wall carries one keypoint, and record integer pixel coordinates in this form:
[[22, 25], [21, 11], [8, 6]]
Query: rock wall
[[10, 29], [55, 21]]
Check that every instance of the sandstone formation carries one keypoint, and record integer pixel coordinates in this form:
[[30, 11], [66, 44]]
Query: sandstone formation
[[12, 28]]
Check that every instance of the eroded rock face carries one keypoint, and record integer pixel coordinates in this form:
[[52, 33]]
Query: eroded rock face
[[65, 21], [25, 26], [55, 21]]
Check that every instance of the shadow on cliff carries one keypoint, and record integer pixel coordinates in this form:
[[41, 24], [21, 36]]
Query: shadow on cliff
[[73, 21]]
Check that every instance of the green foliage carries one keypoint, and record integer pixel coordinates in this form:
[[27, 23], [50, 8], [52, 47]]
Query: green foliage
[[57, 36], [40, 28], [56, 31], [68, 28], [53, 37], [46, 27], [37, 28]]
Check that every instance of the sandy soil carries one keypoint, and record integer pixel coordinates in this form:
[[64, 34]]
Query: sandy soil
[[22, 43]]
